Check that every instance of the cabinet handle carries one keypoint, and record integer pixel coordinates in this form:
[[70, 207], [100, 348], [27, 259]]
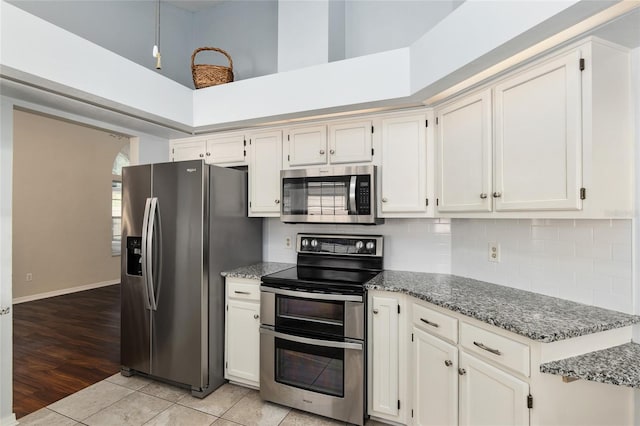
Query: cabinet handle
[[277, 201], [483, 195], [497, 194], [322, 152], [462, 371], [208, 154], [432, 324], [488, 349], [384, 200], [448, 363], [332, 151], [201, 155], [375, 311], [241, 292], [256, 316]]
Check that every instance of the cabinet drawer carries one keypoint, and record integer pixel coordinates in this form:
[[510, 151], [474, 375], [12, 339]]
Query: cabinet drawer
[[434, 322], [504, 351], [245, 290]]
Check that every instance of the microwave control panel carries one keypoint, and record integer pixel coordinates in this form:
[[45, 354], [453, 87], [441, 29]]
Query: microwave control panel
[[363, 189]]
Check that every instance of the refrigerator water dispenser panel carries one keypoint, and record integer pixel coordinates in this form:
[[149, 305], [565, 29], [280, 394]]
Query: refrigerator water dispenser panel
[[134, 256]]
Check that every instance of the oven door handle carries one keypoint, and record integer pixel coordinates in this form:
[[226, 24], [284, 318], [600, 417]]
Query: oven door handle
[[316, 342], [315, 296]]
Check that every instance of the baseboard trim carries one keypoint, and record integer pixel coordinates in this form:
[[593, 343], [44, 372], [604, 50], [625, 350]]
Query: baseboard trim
[[63, 291], [9, 420]]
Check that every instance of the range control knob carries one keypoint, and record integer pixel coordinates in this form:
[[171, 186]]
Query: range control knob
[[370, 246], [304, 243], [359, 245], [314, 243]]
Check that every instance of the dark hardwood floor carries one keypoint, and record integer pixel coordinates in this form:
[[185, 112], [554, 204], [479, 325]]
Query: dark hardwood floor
[[63, 344]]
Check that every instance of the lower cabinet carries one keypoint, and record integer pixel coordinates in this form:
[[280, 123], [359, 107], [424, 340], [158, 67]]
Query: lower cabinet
[[242, 331], [490, 396]]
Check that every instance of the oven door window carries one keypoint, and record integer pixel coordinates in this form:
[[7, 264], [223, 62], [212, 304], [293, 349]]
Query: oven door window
[[310, 316], [314, 368]]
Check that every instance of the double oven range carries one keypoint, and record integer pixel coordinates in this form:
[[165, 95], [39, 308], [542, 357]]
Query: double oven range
[[313, 326]]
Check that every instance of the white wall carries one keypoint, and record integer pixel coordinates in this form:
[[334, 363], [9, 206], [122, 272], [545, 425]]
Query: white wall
[[635, 73], [376, 26], [6, 321], [422, 245], [303, 33]]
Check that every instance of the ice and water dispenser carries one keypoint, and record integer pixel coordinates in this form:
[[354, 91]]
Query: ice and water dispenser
[[134, 255]]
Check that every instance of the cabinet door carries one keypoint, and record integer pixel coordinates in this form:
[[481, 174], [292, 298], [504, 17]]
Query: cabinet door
[[264, 173], [538, 138], [404, 164], [307, 146], [463, 150], [384, 357], [489, 396], [350, 142], [226, 150], [192, 150], [435, 380], [243, 342]]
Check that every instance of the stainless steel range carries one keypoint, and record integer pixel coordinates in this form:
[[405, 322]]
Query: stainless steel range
[[312, 334]]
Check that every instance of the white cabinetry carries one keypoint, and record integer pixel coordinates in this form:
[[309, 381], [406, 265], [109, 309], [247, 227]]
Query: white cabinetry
[[219, 149], [264, 173], [554, 143], [242, 331], [387, 365], [489, 396], [463, 149], [403, 183], [347, 142]]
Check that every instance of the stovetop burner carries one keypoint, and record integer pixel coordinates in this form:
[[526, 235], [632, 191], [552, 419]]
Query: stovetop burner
[[331, 264]]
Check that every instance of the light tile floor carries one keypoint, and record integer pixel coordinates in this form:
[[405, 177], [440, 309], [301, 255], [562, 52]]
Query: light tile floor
[[136, 401]]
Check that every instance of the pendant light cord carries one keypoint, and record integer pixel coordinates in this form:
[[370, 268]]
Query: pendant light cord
[[158, 24]]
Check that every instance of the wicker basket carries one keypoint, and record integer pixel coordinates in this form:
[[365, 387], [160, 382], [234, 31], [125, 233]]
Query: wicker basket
[[210, 75]]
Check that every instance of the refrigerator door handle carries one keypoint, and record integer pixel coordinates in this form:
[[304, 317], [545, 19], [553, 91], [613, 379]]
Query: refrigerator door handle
[[153, 210], [145, 252]]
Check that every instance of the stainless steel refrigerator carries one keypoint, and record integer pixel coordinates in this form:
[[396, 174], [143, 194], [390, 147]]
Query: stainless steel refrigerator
[[182, 224]]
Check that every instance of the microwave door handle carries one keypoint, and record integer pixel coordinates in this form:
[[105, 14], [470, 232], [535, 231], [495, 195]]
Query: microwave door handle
[[145, 260], [353, 209]]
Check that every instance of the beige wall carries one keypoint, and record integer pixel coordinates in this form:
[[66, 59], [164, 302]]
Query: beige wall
[[61, 205]]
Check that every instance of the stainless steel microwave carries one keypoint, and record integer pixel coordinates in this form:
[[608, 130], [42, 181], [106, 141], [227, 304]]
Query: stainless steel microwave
[[329, 195]]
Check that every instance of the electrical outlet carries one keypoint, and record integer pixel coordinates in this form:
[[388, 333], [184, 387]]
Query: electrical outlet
[[287, 242], [29, 277], [494, 252]]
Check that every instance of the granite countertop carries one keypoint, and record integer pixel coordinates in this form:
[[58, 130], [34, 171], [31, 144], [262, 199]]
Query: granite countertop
[[619, 365], [257, 270], [538, 317]]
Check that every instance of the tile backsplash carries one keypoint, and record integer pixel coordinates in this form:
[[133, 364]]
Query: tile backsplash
[[587, 261], [422, 245]]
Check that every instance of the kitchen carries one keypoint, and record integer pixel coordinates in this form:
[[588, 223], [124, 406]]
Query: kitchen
[[453, 242]]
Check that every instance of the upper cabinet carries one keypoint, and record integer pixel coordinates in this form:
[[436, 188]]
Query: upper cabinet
[[404, 169], [550, 140], [264, 173], [219, 149], [335, 143]]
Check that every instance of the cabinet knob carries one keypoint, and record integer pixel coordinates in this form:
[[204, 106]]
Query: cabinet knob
[[462, 371], [208, 154], [201, 155], [256, 316], [333, 151], [497, 194], [448, 363], [483, 195], [384, 199], [276, 201], [322, 152], [375, 311]]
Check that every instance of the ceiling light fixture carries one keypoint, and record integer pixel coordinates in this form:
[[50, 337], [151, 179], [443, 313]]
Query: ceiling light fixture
[[156, 46]]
